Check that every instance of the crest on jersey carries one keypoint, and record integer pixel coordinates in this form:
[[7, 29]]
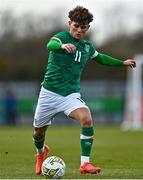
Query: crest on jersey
[[86, 47]]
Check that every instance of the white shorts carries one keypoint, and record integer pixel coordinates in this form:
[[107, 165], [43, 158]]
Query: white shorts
[[50, 103]]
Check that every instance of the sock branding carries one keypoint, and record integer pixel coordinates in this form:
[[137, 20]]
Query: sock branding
[[86, 141]]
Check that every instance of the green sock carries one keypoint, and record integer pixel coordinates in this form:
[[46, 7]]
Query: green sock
[[86, 141], [39, 141]]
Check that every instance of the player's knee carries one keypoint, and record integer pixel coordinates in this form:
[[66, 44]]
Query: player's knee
[[86, 122], [39, 132]]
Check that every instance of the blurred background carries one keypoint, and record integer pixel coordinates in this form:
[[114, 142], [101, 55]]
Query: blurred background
[[25, 28]]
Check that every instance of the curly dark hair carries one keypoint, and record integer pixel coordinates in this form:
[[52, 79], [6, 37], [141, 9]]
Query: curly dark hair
[[80, 15]]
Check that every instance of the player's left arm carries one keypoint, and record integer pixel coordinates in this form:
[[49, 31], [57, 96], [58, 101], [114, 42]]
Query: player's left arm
[[110, 61]]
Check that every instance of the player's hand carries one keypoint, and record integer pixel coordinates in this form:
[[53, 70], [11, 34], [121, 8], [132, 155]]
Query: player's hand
[[130, 62], [69, 47]]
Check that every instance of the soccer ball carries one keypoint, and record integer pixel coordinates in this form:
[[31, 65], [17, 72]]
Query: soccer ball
[[53, 167]]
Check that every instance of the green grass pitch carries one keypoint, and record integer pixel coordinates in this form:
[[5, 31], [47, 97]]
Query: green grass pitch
[[118, 153]]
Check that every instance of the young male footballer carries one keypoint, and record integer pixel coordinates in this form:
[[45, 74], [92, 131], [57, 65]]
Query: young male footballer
[[60, 89]]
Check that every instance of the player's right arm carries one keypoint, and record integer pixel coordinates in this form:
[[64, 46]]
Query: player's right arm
[[110, 61], [56, 44]]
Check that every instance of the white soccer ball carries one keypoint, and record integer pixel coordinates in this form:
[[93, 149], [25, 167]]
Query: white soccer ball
[[53, 167]]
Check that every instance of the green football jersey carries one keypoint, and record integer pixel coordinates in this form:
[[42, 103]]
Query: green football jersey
[[63, 72]]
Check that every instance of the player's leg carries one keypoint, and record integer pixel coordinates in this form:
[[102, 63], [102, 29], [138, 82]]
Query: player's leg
[[42, 149], [39, 138], [44, 113], [83, 116]]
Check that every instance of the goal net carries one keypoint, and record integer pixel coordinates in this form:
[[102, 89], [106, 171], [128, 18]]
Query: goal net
[[133, 117]]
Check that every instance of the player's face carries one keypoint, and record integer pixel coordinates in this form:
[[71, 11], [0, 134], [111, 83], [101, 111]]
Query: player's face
[[78, 31]]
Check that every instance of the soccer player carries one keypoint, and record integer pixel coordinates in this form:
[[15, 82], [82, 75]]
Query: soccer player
[[60, 89]]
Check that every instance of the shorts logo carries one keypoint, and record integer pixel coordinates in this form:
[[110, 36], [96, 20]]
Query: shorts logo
[[81, 100]]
